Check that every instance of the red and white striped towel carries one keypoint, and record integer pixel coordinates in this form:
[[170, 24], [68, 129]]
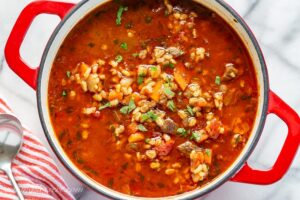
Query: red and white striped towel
[[34, 170]]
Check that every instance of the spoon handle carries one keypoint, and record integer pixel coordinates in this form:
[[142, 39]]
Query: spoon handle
[[14, 183]]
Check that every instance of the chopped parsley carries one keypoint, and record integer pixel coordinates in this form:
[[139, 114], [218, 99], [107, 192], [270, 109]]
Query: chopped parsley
[[124, 110], [208, 152], [145, 117], [112, 128], [169, 92], [140, 78], [182, 132], [149, 115], [218, 80], [68, 74], [167, 13], [119, 14], [147, 140], [190, 110], [142, 177], [135, 54], [171, 105], [118, 58], [153, 68], [104, 106], [195, 136], [170, 65], [148, 19], [152, 115], [142, 128], [237, 139], [127, 109], [64, 93], [124, 45]]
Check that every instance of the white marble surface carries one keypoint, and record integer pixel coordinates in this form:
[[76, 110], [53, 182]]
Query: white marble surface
[[276, 25]]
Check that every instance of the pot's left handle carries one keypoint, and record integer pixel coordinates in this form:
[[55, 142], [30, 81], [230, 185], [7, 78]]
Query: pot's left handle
[[16, 37]]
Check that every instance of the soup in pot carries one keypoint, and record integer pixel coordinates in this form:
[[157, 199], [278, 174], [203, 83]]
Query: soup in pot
[[152, 98]]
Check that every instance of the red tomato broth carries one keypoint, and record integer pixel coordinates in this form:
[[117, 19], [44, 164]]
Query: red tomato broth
[[97, 155]]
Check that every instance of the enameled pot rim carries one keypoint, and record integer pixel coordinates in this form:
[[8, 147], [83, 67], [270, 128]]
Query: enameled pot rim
[[200, 192]]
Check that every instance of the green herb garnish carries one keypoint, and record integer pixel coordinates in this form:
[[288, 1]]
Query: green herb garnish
[[77, 157], [152, 115], [124, 110], [142, 128], [142, 177], [218, 80], [167, 13], [124, 45], [169, 92], [182, 132], [127, 109], [153, 68], [104, 106], [140, 80], [112, 128], [171, 105], [118, 58], [195, 136], [145, 117], [148, 19], [68, 74], [90, 170], [237, 139], [208, 152], [147, 140], [190, 110], [64, 93], [149, 115], [119, 14], [135, 54], [170, 65]]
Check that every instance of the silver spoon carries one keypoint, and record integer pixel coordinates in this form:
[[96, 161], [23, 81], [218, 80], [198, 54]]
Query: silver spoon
[[11, 137]]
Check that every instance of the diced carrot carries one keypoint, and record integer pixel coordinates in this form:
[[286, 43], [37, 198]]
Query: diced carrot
[[156, 91], [115, 95], [136, 97], [84, 70], [181, 78], [208, 156], [136, 137]]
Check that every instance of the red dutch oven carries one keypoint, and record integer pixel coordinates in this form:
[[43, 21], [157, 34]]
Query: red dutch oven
[[269, 102]]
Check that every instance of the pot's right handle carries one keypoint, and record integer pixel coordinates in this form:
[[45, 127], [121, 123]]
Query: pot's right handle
[[16, 37], [288, 151]]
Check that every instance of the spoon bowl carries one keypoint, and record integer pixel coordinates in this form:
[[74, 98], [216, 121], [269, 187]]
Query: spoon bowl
[[11, 138]]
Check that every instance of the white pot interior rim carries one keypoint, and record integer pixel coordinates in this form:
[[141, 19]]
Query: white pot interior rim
[[218, 6]]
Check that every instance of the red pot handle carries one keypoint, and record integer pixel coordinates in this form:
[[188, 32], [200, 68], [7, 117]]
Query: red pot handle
[[288, 151], [12, 48]]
